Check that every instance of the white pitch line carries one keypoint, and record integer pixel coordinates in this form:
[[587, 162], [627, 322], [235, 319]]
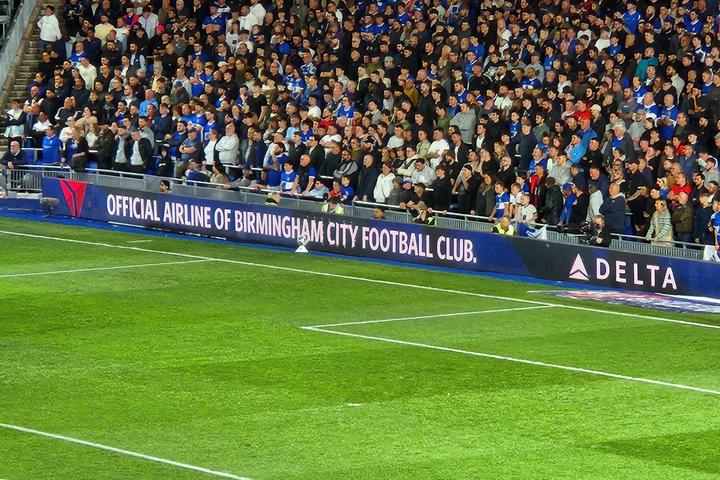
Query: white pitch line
[[139, 241], [520, 360], [369, 280], [122, 452], [99, 269], [422, 317]]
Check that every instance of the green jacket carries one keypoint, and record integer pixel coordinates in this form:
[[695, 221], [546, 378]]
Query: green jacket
[[682, 219]]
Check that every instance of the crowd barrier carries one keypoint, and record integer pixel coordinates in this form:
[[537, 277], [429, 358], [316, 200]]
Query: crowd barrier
[[253, 221]]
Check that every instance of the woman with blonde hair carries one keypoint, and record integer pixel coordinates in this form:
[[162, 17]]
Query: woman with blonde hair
[[77, 151], [219, 177]]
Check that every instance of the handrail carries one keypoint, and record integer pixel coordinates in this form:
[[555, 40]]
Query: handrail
[[10, 50], [636, 238], [27, 179]]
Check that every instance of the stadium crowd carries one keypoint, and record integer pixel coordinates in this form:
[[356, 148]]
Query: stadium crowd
[[545, 111]]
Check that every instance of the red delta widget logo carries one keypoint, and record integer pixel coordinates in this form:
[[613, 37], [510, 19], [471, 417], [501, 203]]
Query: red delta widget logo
[[74, 194], [621, 271]]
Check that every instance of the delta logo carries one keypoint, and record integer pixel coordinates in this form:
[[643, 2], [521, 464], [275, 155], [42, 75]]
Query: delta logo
[[74, 193], [627, 273]]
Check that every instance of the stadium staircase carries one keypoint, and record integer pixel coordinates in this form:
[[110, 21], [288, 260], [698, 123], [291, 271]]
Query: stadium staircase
[[26, 64]]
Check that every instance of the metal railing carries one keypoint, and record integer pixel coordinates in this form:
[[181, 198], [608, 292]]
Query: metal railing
[[13, 39], [28, 178], [635, 244]]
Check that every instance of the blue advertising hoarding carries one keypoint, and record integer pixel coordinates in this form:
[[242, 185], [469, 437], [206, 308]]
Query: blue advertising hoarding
[[419, 244]]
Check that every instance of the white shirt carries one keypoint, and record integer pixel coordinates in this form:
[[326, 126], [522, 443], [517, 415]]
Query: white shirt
[[120, 153], [209, 149], [426, 176], [88, 74], [41, 126], [15, 130], [258, 11], [121, 34], [149, 24], [248, 21], [314, 112], [330, 138], [49, 28], [395, 142], [438, 146], [135, 158], [527, 212], [383, 187], [596, 201], [227, 148]]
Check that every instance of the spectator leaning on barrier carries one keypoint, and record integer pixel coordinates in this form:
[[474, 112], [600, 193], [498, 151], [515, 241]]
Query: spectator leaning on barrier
[[504, 227], [13, 158], [660, 231]]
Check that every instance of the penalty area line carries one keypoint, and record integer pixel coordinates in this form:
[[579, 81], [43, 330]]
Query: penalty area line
[[523, 361], [121, 451], [423, 317]]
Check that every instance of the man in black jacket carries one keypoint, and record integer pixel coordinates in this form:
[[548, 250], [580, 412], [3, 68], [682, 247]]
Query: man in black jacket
[[316, 152], [441, 188], [600, 235], [14, 157], [553, 202], [138, 152], [613, 209], [367, 179]]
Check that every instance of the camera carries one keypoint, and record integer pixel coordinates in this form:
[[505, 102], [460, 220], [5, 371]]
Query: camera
[[590, 232]]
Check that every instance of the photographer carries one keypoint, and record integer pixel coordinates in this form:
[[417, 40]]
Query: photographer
[[597, 234]]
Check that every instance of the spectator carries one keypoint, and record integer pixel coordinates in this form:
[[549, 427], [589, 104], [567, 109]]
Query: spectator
[[288, 179], [440, 196], [52, 148], [49, 28], [77, 151], [682, 219], [702, 234], [715, 223], [189, 149], [527, 214], [554, 200], [12, 158], [504, 227], [196, 172], [502, 201], [333, 207], [660, 232], [484, 197], [422, 173], [138, 152], [271, 200], [424, 216], [319, 191], [613, 210], [595, 202], [600, 234], [384, 184], [367, 180], [710, 171]]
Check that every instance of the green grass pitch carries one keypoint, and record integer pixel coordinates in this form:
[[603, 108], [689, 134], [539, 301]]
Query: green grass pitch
[[204, 362]]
